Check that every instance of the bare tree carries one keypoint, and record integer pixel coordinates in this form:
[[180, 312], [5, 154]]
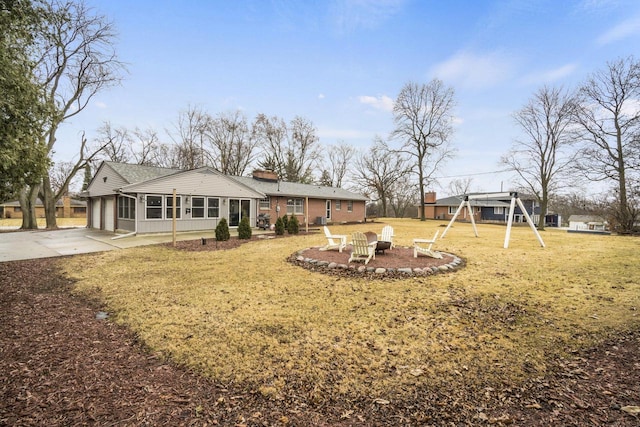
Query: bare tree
[[115, 142], [423, 118], [377, 172], [233, 147], [609, 118], [75, 60], [190, 138], [402, 195], [146, 149], [337, 164], [460, 186], [543, 158], [292, 152]]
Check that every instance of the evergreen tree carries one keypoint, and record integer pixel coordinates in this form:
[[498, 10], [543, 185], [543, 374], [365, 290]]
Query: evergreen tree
[[222, 230], [244, 229]]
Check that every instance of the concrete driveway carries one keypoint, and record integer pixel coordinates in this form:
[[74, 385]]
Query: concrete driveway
[[71, 241]]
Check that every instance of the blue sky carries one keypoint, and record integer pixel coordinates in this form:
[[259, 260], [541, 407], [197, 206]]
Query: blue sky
[[340, 64]]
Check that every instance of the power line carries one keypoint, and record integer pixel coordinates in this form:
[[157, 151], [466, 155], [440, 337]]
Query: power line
[[473, 174]]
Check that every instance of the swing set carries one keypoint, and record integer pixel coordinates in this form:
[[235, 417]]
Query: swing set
[[514, 199]]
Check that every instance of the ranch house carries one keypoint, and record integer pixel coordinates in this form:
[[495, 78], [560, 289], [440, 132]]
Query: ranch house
[[138, 199], [485, 207]]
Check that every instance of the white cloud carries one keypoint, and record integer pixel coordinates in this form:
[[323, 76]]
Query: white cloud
[[321, 96], [383, 102], [475, 71], [550, 76], [100, 104], [621, 31]]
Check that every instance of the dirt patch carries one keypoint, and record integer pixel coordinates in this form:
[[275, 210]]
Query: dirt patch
[[61, 365]]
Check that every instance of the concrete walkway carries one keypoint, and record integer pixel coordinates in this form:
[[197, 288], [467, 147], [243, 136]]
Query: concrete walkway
[[21, 245]]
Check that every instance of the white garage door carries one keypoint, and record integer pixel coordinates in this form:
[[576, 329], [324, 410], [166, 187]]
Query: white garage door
[[109, 223], [95, 213]]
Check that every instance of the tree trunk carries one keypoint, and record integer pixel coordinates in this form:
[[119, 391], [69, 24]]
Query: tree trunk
[[544, 205], [49, 201], [28, 198]]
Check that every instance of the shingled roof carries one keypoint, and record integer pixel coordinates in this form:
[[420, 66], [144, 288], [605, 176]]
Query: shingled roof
[[140, 173], [296, 189]]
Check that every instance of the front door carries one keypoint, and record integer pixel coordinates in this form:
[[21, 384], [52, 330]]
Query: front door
[[238, 209]]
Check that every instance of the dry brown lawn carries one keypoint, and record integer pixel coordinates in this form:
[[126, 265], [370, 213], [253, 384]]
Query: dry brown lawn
[[247, 315]]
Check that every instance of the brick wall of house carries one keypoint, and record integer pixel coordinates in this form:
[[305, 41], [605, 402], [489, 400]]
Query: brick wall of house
[[317, 208]]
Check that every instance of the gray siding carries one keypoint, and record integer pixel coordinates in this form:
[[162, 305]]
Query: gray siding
[[196, 183], [101, 187], [126, 224]]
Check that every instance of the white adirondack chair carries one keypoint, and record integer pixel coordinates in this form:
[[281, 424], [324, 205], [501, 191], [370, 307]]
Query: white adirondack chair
[[423, 246], [334, 241], [363, 250], [387, 235]]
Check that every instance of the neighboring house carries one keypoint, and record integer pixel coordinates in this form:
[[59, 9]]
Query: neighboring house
[[66, 207], [318, 203], [592, 223], [485, 207], [139, 199]]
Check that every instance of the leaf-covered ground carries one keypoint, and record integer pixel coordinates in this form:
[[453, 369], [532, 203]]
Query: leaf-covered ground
[[61, 364]]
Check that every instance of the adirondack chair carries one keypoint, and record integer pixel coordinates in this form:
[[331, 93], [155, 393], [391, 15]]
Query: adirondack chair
[[423, 246], [334, 241], [387, 236], [363, 249]]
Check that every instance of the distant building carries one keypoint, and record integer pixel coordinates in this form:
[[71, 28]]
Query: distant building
[[485, 207], [66, 207], [591, 223]]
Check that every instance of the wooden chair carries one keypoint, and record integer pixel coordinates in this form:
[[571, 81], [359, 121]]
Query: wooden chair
[[423, 246], [334, 241], [387, 235], [363, 249]]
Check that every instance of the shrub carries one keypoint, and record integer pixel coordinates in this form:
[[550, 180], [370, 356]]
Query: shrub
[[222, 230], [279, 226], [294, 225], [244, 229], [285, 222]]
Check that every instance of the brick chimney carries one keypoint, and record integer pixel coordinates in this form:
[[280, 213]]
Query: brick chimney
[[430, 197], [66, 206], [264, 175]]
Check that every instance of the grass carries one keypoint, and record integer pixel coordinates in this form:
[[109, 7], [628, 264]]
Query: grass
[[246, 315]]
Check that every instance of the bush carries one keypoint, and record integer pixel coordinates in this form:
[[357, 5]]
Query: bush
[[222, 230], [244, 229], [285, 222], [279, 226], [294, 225]]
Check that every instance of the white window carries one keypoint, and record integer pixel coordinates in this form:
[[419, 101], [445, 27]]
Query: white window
[[126, 208], [153, 207], [350, 206], [265, 204], [213, 207], [169, 205], [295, 206], [197, 207], [498, 210], [452, 210], [338, 205]]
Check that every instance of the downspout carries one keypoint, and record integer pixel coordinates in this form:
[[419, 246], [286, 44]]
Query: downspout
[[135, 221]]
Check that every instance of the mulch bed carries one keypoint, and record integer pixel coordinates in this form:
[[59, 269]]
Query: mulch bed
[[61, 365]]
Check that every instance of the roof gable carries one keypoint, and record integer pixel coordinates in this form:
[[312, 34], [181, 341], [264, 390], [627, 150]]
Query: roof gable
[[204, 181]]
